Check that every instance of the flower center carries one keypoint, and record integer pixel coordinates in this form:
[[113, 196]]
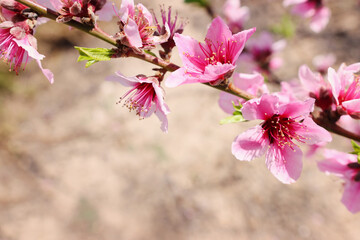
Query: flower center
[[356, 167], [139, 98], [282, 130]]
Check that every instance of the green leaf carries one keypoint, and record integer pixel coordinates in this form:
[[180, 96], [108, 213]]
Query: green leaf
[[150, 52], [285, 28], [356, 150], [232, 119], [236, 117], [202, 3], [94, 55]]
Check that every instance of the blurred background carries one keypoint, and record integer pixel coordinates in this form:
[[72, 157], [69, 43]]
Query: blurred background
[[76, 165]]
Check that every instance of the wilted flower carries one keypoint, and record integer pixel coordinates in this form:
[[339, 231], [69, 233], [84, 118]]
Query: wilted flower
[[145, 97], [212, 61], [283, 123]]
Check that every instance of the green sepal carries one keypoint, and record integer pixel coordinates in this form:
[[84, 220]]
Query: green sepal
[[285, 28], [356, 150], [94, 55], [236, 117], [150, 52]]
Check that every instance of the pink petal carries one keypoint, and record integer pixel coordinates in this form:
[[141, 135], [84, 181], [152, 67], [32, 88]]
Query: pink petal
[[187, 46], [309, 79], [47, 73], [240, 39], [216, 72], [354, 68], [132, 33], [336, 162], [250, 144], [320, 19], [33, 53], [352, 106], [287, 3], [297, 109], [285, 164], [335, 83], [218, 31], [260, 108], [226, 101], [176, 78], [107, 12], [351, 196], [125, 81], [127, 8], [313, 133], [146, 13], [304, 10]]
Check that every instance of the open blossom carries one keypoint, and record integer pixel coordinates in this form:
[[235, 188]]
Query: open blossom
[[346, 167], [137, 27], [260, 54], [17, 43], [251, 83], [314, 9], [282, 124], [345, 86], [235, 15], [212, 61], [145, 97]]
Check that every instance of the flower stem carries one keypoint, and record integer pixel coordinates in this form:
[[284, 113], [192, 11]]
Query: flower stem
[[48, 13], [98, 33]]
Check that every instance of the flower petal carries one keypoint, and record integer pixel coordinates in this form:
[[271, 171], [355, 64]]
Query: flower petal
[[132, 33], [313, 133], [336, 162], [260, 108], [335, 83], [250, 144], [284, 163], [218, 31], [351, 196]]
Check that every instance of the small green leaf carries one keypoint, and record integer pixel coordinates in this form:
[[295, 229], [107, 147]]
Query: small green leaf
[[285, 28], [150, 52], [236, 117], [94, 55], [232, 119], [356, 150], [202, 3]]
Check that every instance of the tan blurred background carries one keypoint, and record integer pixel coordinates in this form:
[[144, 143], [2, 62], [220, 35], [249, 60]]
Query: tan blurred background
[[74, 165]]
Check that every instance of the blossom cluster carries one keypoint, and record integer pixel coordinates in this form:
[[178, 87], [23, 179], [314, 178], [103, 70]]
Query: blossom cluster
[[230, 58]]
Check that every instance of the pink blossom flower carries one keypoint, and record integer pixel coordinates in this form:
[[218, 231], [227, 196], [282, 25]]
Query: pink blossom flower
[[314, 9], [346, 167], [17, 43], [212, 61], [137, 27], [145, 97], [260, 54], [251, 83], [316, 87], [235, 15], [323, 62], [346, 89], [283, 123]]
